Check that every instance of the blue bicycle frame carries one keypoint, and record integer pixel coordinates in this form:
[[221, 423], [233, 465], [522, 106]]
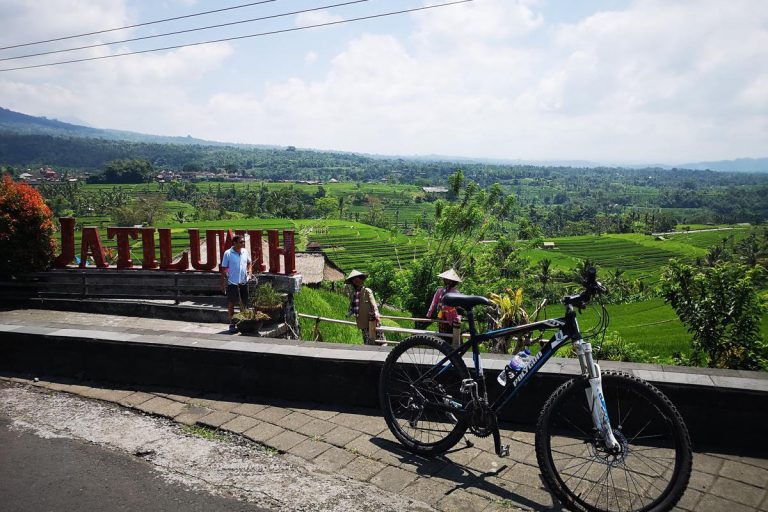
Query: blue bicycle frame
[[568, 331]]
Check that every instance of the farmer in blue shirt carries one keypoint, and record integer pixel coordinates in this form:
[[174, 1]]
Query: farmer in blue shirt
[[235, 268]]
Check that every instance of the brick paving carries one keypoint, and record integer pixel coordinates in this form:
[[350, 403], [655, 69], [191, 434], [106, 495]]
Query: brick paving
[[356, 443]]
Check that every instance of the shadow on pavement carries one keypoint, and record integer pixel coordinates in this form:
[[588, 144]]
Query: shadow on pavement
[[460, 476]]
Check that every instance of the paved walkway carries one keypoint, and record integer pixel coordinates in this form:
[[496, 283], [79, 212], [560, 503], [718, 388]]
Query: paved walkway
[[356, 443]]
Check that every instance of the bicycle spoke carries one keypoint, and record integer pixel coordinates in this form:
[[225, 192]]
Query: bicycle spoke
[[417, 392], [638, 474]]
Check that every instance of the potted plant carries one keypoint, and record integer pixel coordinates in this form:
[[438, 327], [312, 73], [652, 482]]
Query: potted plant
[[268, 300], [249, 321]]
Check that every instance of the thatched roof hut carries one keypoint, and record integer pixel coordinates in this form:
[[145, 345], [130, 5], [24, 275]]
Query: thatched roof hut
[[316, 268]]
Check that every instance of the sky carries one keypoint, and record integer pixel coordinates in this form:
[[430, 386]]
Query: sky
[[612, 81]]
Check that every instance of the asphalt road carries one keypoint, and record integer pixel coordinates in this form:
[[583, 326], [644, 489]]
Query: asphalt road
[[60, 474]]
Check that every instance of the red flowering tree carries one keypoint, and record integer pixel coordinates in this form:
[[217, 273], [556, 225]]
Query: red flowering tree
[[27, 231]]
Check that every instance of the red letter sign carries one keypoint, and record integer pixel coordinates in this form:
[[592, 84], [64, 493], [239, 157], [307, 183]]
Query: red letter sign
[[92, 243], [123, 247]]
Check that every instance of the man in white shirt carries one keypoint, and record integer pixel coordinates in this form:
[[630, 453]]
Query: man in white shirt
[[235, 268]]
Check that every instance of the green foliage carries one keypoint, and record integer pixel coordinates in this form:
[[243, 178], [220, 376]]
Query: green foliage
[[511, 312], [203, 432], [146, 210], [614, 348], [26, 229], [126, 171], [721, 308], [265, 296], [416, 285], [381, 279], [326, 206], [328, 304]]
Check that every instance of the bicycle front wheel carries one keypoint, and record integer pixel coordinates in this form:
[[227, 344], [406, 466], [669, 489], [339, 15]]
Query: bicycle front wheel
[[648, 473], [422, 403]]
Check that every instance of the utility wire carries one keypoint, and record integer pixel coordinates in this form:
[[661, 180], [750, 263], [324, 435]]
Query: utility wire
[[262, 18], [139, 24], [296, 29]]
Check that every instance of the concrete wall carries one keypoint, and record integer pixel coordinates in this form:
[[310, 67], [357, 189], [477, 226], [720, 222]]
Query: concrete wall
[[722, 408]]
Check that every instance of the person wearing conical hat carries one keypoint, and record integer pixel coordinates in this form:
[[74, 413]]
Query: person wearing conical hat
[[362, 304], [439, 310]]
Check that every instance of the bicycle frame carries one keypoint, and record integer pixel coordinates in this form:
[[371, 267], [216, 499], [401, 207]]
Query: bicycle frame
[[568, 331]]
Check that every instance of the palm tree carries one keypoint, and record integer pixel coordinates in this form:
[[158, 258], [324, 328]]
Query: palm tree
[[582, 269], [544, 276]]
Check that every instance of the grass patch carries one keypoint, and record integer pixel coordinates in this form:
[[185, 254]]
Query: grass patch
[[203, 432], [331, 304]]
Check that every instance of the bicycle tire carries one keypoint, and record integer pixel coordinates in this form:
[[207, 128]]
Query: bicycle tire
[[653, 468], [422, 429]]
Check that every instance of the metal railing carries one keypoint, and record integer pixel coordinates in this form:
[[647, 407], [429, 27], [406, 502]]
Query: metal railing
[[377, 333]]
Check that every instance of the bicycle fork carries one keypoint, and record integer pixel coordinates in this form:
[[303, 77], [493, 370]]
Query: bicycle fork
[[595, 397]]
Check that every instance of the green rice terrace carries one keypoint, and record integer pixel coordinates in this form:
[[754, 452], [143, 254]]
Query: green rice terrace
[[650, 325], [352, 245], [639, 256]]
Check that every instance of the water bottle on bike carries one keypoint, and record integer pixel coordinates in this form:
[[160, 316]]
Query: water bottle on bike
[[517, 363]]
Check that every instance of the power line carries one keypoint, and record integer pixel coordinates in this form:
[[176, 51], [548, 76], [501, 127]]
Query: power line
[[140, 24], [273, 32], [262, 18]]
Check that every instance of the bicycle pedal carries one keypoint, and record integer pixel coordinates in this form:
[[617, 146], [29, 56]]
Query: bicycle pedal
[[503, 451]]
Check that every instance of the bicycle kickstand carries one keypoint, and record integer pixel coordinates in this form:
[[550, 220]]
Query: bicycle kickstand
[[502, 450]]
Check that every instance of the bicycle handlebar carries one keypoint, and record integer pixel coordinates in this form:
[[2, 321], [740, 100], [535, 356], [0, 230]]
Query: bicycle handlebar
[[592, 287]]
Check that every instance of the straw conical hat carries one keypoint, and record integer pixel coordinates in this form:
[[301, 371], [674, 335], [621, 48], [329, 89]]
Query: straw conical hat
[[451, 275], [354, 274]]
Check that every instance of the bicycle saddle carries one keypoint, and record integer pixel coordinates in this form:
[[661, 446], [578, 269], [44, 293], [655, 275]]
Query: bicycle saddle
[[459, 300]]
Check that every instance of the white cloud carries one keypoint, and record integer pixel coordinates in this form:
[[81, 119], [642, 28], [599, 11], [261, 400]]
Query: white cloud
[[306, 19], [146, 92], [485, 20], [659, 80], [655, 81], [24, 23]]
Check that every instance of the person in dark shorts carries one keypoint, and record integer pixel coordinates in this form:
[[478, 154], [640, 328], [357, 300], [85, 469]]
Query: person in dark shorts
[[236, 267]]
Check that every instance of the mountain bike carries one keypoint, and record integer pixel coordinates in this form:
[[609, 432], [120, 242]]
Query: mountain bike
[[605, 441]]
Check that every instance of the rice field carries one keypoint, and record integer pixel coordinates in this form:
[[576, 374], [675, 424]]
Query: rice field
[[706, 239], [352, 245], [640, 256], [652, 325]]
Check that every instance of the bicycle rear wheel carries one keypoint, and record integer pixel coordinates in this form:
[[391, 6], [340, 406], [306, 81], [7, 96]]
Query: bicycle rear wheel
[[649, 473], [422, 403]]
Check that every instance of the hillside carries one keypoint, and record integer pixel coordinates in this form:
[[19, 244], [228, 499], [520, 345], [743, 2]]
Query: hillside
[[19, 124], [23, 124]]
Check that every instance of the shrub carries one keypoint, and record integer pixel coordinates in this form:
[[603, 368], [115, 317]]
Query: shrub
[[26, 229], [721, 308], [265, 296], [614, 348]]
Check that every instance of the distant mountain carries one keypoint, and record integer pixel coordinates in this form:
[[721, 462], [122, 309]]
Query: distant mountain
[[738, 165], [23, 124]]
